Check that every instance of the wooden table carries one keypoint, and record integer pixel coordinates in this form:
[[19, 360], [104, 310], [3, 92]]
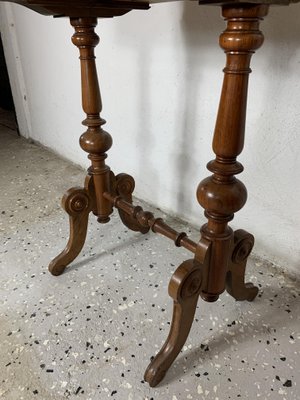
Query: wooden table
[[219, 258]]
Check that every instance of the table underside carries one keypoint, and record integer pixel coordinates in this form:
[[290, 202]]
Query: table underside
[[113, 8]]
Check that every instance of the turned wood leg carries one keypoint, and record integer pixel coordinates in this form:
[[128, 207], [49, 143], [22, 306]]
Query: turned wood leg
[[96, 142], [184, 288], [235, 279], [221, 194]]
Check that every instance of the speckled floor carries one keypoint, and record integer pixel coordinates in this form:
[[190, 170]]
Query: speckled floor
[[89, 334]]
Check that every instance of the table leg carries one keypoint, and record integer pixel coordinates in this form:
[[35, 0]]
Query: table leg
[[222, 260], [79, 202]]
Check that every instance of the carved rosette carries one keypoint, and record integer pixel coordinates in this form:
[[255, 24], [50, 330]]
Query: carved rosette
[[76, 201], [191, 284], [124, 186], [243, 245], [186, 281]]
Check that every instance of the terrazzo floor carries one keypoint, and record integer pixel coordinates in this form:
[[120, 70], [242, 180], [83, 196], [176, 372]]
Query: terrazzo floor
[[89, 334]]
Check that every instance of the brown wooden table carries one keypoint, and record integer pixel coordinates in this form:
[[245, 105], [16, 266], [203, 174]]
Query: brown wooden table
[[219, 258]]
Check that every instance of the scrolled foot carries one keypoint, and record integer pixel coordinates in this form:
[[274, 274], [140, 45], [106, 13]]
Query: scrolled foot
[[55, 267], [235, 280], [77, 204], [184, 288], [154, 374]]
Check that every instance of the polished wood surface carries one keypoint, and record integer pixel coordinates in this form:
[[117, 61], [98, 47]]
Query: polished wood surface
[[83, 8], [220, 256], [222, 194]]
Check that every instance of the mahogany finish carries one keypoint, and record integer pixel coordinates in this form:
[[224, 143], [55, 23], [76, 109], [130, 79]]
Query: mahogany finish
[[220, 257]]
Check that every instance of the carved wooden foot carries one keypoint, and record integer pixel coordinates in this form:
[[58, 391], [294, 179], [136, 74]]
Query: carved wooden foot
[[235, 279], [184, 288], [78, 203]]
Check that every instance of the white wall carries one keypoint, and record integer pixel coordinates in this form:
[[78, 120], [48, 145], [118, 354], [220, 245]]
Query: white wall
[[160, 74]]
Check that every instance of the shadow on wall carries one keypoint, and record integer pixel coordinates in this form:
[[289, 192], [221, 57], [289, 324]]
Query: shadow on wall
[[282, 25], [193, 30], [200, 27], [275, 120], [281, 29], [195, 37], [145, 139]]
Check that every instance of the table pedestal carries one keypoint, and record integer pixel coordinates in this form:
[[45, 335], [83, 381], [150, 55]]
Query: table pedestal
[[220, 256]]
